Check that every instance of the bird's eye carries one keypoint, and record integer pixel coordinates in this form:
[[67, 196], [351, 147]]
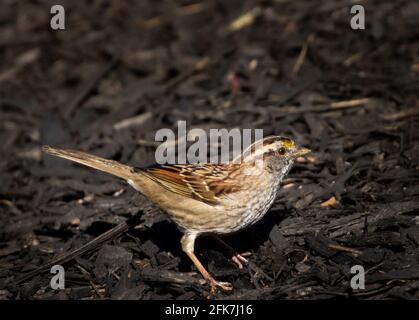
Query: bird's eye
[[281, 151]]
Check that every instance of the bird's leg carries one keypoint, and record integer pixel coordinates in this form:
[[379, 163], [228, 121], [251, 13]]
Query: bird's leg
[[188, 243], [237, 258]]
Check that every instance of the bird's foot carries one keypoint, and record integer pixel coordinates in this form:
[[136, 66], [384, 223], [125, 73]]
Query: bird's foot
[[224, 286], [239, 259]]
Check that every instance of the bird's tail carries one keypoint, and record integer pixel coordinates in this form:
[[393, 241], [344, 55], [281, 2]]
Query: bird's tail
[[109, 166]]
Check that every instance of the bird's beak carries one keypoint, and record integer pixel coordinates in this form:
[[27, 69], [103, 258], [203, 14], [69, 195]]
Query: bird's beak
[[300, 152]]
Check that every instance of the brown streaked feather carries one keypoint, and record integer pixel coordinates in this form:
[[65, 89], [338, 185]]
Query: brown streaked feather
[[206, 182]]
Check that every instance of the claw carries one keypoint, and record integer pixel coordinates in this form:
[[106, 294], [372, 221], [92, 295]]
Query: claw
[[239, 260], [225, 286]]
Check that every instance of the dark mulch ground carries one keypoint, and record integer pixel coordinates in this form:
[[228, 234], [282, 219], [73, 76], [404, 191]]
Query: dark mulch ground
[[123, 69]]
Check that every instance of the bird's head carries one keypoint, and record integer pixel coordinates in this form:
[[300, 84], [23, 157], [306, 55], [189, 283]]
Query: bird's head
[[278, 153]]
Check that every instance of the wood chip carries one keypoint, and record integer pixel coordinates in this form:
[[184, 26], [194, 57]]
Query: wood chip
[[329, 202]]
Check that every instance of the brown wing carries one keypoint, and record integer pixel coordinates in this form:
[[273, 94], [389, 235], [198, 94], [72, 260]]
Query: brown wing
[[207, 182]]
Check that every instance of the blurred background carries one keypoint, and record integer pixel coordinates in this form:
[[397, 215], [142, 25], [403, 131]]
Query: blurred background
[[121, 70]]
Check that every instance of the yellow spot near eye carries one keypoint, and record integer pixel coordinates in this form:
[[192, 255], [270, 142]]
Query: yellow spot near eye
[[288, 143]]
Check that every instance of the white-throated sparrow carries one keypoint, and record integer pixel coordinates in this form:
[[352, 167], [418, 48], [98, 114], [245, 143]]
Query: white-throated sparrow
[[207, 198]]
